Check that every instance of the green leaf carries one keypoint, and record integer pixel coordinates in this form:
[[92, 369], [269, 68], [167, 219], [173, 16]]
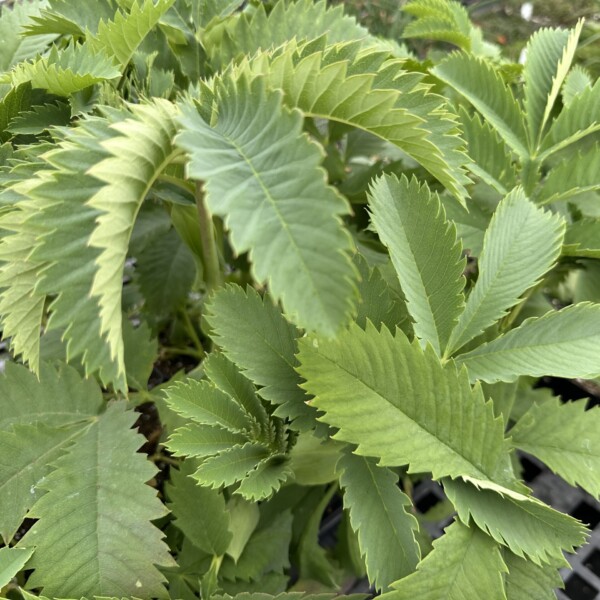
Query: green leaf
[[483, 87], [492, 159], [576, 174], [561, 343], [251, 31], [144, 139], [565, 437], [583, 239], [244, 517], [165, 273], [16, 102], [316, 281], [41, 118], [378, 514], [254, 335], [59, 397], [26, 452], [203, 440], [63, 72], [580, 119], [411, 222], [550, 53], [141, 350], [121, 37], [576, 82], [96, 550], [464, 564], [524, 524], [199, 512], [373, 93], [395, 401], [313, 459], [521, 244], [15, 46], [528, 581], [12, 560]]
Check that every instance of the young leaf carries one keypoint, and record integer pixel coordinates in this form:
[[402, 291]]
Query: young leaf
[[378, 514], [199, 512], [524, 524], [565, 437], [254, 141], [368, 91], [411, 222], [550, 53], [561, 343], [203, 440], [396, 402], [482, 86], [521, 244], [12, 560], [254, 335], [465, 564], [94, 534]]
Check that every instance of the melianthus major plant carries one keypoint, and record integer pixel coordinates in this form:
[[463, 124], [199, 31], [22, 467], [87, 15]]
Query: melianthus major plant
[[284, 200]]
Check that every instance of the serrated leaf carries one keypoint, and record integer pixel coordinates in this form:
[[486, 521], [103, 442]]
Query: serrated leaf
[[550, 53], [482, 86], [93, 551], [411, 222], [206, 405], [576, 82], [41, 118], [26, 451], [63, 72], [465, 564], [368, 91], [582, 239], [12, 560], [203, 440], [378, 514], [253, 334], [565, 437], [316, 282], [561, 343], [199, 512], [521, 243], [265, 479], [527, 526], [165, 272], [527, 581], [17, 101], [395, 401], [58, 398], [120, 37]]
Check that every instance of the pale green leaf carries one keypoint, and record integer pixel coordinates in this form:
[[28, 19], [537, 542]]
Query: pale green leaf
[[411, 222], [562, 343], [254, 335], [521, 244], [576, 82], [141, 350], [379, 514], [243, 152], [199, 512], [63, 72], [203, 440], [576, 174], [266, 478], [465, 564], [550, 53], [527, 526], [483, 87], [12, 560], [395, 401], [121, 36], [244, 517], [565, 437], [26, 451], [527, 581], [107, 546], [313, 459]]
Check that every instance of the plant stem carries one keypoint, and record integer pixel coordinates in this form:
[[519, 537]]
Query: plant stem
[[183, 351], [191, 331], [212, 269]]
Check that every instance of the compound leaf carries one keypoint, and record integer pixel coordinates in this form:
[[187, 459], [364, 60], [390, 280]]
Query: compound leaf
[[411, 222]]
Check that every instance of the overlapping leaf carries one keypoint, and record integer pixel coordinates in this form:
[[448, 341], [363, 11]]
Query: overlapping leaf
[[565, 437], [527, 581], [411, 222], [107, 545], [561, 343], [521, 244], [243, 152], [12, 560], [378, 514], [398, 403]]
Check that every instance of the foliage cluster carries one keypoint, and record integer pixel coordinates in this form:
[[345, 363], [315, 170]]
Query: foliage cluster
[[362, 262]]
